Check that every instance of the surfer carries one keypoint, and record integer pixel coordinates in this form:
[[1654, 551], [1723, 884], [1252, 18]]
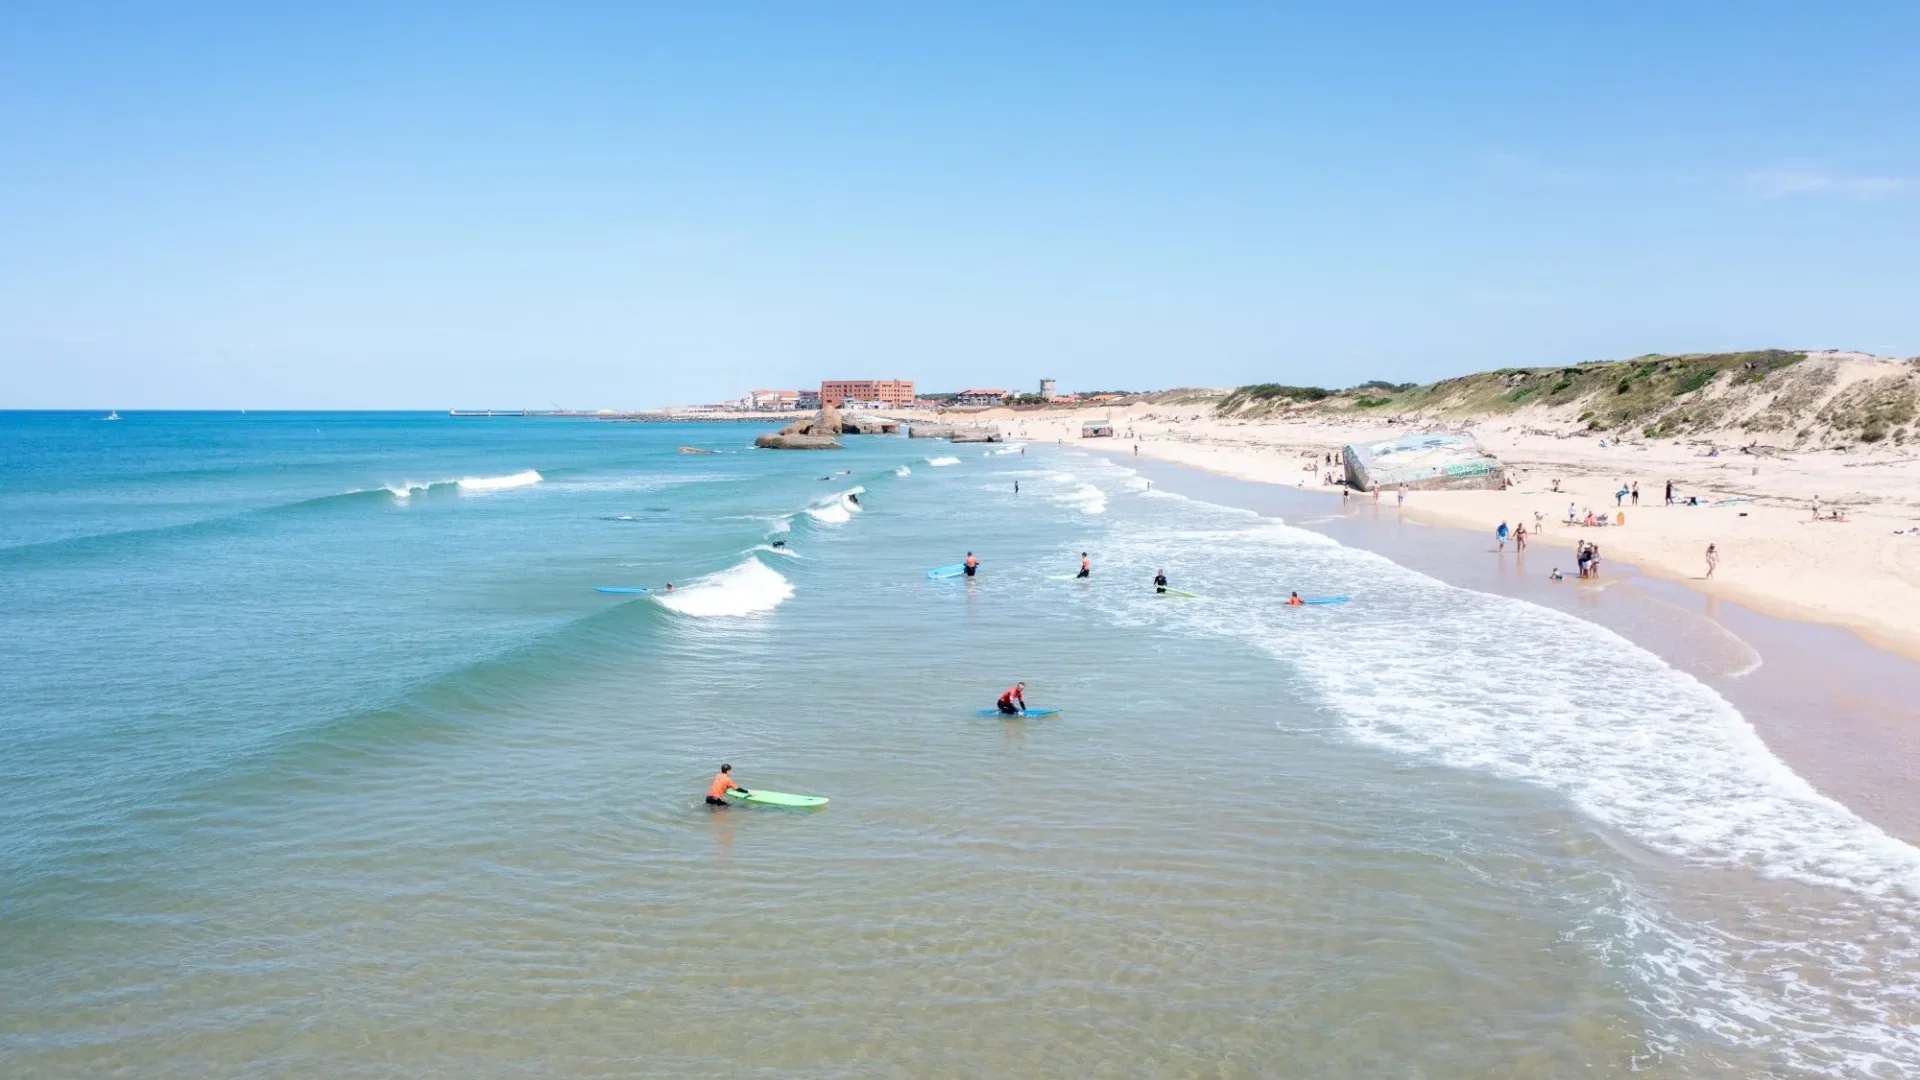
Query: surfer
[[971, 564], [1086, 566], [1014, 701], [1159, 581], [669, 586], [1016, 483], [722, 783], [853, 498], [1293, 600], [779, 543]]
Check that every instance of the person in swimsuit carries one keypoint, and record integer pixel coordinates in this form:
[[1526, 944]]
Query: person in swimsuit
[[1014, 701], [972, 564], [1713, 560], [1159, 581], [1295, 601], [1086, 566], [722, 783]]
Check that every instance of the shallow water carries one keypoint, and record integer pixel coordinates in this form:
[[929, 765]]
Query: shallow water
[[310, 776]]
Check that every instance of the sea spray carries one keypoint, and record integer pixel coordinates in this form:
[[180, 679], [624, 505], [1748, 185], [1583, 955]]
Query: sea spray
[[748, 588]]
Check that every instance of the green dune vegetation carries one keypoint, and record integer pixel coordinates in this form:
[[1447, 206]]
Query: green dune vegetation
[[1768, 395]]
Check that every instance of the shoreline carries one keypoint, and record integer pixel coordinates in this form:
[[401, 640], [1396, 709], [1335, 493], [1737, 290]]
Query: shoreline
[[1862, 574], [1836, 709]]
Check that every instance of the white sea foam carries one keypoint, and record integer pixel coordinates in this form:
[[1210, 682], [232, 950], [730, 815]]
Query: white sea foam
[[771, 550], [499, 483], [839, 509], [781, 524], [939, 461], [1084, 497], [406, 489], [903, 471], [749, 588], [1498, 686], [1013, 449]]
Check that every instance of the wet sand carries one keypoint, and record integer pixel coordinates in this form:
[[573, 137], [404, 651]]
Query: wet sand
[[1841, 713]]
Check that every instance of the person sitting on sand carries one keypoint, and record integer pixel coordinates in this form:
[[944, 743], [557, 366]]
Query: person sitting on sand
[[723, 783]]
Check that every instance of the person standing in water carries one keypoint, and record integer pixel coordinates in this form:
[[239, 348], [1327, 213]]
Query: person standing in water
[[1086, 566], [1016, 483], [1159, 581], [972, 564], [1293, 600], [723, 783], [1014, 701], [1501, 534]]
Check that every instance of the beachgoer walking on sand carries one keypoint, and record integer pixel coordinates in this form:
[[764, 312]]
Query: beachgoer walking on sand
[[1520, 537], [1345, 494], [1669, 493], [1403, 495], [1713, 560], [1816, 508], [1376, 494], [1501, 534], [1636, 491]]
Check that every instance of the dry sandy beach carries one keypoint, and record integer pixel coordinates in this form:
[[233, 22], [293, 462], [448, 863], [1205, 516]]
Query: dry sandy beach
[[1862, 573]]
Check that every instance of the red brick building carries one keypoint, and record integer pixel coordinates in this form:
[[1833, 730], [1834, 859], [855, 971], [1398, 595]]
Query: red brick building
[[894, 392]]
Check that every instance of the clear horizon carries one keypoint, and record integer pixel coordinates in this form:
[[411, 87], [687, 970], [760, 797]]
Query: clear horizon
[[210, 207]]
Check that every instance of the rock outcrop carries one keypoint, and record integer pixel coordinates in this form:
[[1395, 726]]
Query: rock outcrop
[[827, 423], [861, 426], [930, 431], [796, 441], [694, 450]]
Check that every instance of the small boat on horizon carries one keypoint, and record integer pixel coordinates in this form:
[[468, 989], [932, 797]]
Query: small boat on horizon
[[111, 415]]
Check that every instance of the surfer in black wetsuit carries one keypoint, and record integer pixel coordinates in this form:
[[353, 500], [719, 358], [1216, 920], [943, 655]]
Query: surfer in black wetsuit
[[854, 499], [1159, 581]]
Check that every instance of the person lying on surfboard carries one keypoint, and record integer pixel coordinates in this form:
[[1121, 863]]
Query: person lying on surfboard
[[722, 783], [1295, 601], [1014, 701], [1159, 581]]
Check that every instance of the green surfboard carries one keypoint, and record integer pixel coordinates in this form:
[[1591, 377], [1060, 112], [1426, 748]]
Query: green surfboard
[[778, 798], [1183, 594]]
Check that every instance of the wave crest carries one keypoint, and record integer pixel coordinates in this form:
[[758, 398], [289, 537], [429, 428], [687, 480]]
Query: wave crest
[[746, 589]]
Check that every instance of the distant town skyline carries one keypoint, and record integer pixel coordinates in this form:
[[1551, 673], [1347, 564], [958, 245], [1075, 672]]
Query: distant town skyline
[[600, 205]]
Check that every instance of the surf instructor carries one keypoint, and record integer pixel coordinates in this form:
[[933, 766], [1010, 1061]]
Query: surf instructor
[[1014, 701], [971, 564], [722, 783]]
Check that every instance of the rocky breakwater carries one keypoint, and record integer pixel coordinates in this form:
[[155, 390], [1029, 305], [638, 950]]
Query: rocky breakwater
[[814, 433]]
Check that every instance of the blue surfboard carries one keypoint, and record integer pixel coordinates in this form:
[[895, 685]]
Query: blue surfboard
[[1030, 713], [618, 590], [1325, 599], [947, 571]]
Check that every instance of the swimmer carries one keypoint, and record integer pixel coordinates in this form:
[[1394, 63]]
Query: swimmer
[[723, 783], [1294, 600]]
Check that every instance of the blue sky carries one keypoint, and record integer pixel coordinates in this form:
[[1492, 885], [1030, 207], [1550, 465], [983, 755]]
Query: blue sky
[[616, 205]]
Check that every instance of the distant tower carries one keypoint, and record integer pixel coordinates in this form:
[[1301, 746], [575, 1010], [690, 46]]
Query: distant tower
[[1046, 389]]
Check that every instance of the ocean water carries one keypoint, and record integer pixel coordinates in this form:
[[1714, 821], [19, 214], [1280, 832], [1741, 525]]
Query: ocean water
[[324, 758]]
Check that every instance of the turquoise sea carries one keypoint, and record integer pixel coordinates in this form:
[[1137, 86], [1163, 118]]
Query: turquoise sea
[[324, 758]]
